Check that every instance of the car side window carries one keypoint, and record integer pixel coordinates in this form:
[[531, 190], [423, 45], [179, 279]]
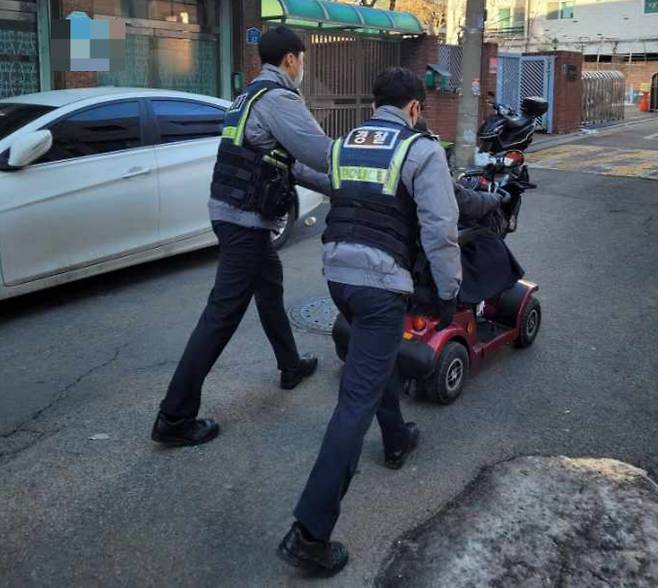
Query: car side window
[[184, 120], [99, 129]]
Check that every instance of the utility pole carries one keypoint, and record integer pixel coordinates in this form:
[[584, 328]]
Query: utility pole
[[467, 116]]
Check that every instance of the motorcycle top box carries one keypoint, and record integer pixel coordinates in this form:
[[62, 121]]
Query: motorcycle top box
[[534, 106]]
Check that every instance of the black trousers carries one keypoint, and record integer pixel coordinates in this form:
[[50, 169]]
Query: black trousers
[[248, 266], [370, 386]]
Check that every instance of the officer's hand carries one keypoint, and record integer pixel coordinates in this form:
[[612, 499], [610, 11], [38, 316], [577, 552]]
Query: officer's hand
[[447, 312]]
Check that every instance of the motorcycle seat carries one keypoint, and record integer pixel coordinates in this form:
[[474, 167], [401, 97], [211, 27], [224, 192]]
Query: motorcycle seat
[[514, 123]]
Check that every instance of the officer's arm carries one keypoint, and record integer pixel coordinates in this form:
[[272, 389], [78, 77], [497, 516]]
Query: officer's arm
[[294, 127], [427, 177], [309, 178]]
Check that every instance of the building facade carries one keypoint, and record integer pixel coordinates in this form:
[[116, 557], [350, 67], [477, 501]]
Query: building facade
[[600, 29]]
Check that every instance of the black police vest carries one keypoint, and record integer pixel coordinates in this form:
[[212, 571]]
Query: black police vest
[[370, 204], [245, 177]]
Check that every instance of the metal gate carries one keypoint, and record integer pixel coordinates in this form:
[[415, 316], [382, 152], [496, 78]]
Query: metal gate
[[520, 76], [341, 70], [603, 96]]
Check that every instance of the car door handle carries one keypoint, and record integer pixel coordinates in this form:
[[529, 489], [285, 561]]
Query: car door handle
[[136, 171]]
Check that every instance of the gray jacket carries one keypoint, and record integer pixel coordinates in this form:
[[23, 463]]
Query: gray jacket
[[279, 116], [426, 176]]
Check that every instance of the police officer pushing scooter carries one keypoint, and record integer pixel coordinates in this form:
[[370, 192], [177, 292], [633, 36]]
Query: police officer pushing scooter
[[266, 130], [390, 184]]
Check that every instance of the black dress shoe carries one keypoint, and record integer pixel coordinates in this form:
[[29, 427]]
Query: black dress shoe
[[183, 431], [396, 459], [319, 558], [307, 366]]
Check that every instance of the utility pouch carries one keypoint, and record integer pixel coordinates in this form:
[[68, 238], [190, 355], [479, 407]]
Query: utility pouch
[[276, 194]]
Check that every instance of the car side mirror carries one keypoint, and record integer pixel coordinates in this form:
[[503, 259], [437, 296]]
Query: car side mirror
[[29, 148]]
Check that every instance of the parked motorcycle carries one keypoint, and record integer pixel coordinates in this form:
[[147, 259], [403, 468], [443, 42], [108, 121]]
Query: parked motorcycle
[[502, 138]]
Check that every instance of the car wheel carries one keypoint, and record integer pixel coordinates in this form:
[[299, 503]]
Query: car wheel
[[446, 383], [284, 227], [530, 323]]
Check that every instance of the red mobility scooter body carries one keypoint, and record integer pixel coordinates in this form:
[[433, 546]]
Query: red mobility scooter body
[[436, 363], [466, 328]]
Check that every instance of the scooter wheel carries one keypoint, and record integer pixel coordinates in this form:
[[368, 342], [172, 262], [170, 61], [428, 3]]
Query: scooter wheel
[[530, 323], [447, 382]]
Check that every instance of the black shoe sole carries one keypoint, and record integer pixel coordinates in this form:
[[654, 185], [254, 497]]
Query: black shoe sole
[[396, 465], [308, 566], [179, 442]]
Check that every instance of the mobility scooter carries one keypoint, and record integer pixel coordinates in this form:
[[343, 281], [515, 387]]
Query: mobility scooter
[[435, 364]]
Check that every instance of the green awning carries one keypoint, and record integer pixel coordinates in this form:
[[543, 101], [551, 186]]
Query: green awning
[[336, 15]]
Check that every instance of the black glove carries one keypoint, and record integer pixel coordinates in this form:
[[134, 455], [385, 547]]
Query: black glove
[[446, 312]]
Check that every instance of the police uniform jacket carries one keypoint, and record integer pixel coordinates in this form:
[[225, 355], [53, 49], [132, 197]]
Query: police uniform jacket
[[426, 176], [279, 117]]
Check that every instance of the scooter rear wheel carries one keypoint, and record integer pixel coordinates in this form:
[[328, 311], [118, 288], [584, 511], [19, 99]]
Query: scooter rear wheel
[[447, 381], [530, 323]]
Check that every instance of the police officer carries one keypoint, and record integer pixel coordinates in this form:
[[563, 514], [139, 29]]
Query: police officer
[[389, 182], [266, 130]]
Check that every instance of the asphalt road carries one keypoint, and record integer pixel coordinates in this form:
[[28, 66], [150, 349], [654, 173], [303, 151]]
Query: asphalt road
[[95, 357]]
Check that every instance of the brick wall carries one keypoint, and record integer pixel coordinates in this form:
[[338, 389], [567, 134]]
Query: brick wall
[[487, 77], [250, 65], [441, 108], [567, 94]]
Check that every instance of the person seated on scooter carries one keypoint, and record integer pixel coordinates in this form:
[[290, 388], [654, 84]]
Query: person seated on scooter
[[488, 266]]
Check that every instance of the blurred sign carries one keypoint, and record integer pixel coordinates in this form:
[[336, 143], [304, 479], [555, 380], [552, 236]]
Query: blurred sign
[[650, 6], [253, 36], [493, 65], [475, 87]]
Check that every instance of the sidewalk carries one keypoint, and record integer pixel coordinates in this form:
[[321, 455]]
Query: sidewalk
[[632, 117]]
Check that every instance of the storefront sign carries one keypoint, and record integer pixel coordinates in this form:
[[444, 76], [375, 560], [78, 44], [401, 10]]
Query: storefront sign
[[253, 36], [650, 6]]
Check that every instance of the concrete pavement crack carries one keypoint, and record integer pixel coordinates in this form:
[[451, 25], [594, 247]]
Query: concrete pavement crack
[[57, 397]]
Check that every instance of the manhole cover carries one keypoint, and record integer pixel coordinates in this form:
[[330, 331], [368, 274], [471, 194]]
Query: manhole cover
[[314, 314]]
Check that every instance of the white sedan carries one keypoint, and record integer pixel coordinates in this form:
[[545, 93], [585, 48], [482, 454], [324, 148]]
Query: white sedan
[[97, 179]]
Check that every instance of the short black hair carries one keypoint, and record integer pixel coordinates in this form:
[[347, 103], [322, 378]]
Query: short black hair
[[276, 43], [397, 86]]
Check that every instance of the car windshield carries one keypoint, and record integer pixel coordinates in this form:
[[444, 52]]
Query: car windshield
[[13, 116]]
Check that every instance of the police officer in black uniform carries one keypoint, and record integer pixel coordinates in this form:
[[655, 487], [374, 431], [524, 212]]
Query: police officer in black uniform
[[267, 131], [390, 185]]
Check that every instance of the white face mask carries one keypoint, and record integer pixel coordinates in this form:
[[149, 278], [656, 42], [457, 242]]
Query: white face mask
[[299, 78]]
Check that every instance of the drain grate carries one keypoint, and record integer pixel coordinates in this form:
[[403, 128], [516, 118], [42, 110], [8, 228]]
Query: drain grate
[[315, 314]]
